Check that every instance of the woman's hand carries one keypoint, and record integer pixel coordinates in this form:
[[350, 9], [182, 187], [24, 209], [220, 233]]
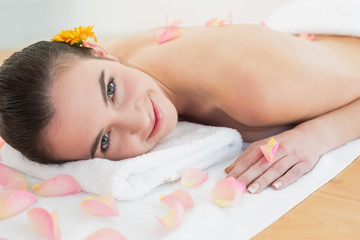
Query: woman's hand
[[297, 155]]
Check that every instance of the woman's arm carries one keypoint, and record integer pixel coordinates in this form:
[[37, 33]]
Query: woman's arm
[[300, 149]]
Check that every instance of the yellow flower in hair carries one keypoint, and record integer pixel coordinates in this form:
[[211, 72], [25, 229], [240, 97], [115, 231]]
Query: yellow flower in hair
[[76, 36]]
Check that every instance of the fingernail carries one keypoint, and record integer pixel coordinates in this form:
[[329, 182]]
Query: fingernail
[[278, 184], [227, 170], [253, 188]]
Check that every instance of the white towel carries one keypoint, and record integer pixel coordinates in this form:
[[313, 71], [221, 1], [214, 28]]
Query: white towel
[[189, 145], [334, 17]]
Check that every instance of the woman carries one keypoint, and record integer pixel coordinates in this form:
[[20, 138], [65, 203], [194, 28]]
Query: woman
[[62, 103]]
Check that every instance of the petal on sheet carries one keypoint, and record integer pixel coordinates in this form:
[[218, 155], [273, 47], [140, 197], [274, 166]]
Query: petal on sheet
[[57, 232], [14, 185], [13, 202], [44, 223], [193, 177], [179, 195], [227, 192], [174, 217], [59, 185], [106, 234], [269, 149], [8, 174], [104, 205]]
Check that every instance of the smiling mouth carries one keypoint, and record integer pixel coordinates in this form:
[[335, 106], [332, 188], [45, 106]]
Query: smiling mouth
[[157, 120]]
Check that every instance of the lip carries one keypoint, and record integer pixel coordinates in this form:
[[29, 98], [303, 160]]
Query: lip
[[157, 120]]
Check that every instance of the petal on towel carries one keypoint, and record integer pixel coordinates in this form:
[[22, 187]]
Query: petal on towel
[[104, 205], [269, 149], [193, 177], [13, 202], [168, 34], [59, 185], [106, 234], [44, 223], [174, 217], [8, 174], [179, 195], [227, 191]]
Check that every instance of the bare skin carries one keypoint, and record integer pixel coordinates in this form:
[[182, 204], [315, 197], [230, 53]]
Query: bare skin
[[261, 83], [223, 74], [258, 81]]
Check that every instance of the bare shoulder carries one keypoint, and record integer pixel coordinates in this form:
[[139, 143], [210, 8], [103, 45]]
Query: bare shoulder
[[253, 74]]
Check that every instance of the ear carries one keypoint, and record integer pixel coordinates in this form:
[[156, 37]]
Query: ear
[[99, 51]]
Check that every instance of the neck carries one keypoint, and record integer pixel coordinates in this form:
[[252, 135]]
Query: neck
[[173, 95]]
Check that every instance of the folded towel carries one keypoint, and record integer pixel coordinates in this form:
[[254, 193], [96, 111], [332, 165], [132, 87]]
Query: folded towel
[[189, 145], [335, 17]]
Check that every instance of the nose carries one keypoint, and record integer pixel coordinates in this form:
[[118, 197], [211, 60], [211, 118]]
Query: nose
[[132, 119]]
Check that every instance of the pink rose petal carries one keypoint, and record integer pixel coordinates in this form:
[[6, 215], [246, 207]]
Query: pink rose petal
[[59, 185], [106, 234], [104, 205], [210, 22], [193, 177], [269, 149], [219, 22], [8, 174], [174, 217], [168, 34], [2, 142], [307, 36], [14, 185], [179, 195], [227, 192], [174, 23], [13, 202], [44, 223]]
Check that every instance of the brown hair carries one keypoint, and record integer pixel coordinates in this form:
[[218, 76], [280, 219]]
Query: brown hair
[[25, 103]]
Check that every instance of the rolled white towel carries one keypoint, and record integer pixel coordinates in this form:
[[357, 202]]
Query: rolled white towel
[[189, 145]]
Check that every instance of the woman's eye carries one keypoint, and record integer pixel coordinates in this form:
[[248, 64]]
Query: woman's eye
[[104, 143], [111, 89]]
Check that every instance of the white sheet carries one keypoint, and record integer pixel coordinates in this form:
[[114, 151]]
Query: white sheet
[[248, 217], [136, 220]]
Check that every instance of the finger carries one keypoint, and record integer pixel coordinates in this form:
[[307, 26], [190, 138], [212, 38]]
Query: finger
[[254, 165], [245, 163], [291, 176], [242, 156], [275, 171], [253, 172]]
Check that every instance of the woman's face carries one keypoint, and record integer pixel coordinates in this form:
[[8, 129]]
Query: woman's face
[[104, 109]]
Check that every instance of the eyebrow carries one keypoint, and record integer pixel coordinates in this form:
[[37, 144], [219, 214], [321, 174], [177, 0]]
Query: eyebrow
[[102, 88]]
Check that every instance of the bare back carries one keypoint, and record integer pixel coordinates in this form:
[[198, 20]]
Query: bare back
[[249, 77]]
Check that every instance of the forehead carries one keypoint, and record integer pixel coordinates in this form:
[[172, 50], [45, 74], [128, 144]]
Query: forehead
[[77, 102]]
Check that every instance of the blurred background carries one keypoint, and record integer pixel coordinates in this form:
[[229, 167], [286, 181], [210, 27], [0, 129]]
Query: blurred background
[[23, 22]]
